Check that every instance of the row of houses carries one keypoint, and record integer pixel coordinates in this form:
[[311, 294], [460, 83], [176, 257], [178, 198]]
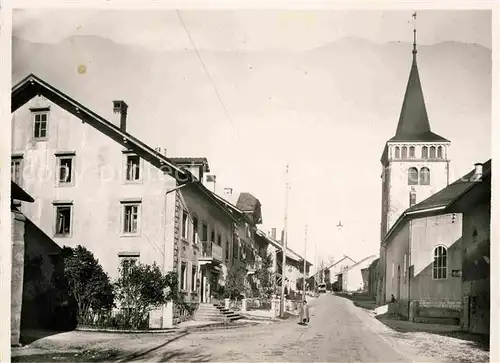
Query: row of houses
[[91, 183]]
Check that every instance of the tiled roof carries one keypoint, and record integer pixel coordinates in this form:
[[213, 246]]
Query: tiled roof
[[449, 194], [247, 202], [413, 122], [440, 201]]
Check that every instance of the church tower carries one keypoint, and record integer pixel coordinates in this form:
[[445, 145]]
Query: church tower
[[415, 161]]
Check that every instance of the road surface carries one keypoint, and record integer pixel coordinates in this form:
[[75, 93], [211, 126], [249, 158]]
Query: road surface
[[338, 332]]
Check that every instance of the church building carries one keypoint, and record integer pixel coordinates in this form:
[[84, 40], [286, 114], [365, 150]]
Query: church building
[[416, 166]]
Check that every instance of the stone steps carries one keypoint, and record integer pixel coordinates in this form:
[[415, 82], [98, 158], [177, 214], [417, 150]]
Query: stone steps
[[213, 312]]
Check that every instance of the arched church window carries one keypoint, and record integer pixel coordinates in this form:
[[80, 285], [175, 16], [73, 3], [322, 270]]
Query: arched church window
[[432, 152], [396, 152], [440, 152], [425, 176], [404, 152], [439, 265], [424, 152], [412, 152], [412, 176]]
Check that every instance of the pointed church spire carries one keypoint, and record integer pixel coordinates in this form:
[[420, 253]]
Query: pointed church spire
[[413, 122]]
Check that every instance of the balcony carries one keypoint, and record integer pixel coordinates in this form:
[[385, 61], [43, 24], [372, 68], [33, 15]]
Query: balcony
[[210, 252]]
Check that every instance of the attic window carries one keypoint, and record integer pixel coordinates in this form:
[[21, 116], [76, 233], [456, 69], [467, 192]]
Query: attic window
[[412, 151], [440, 152], [404, 152], [40, 120], [432, 153]]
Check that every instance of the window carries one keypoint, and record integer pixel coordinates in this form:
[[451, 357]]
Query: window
[[405, 268], [474, 236], [40, 125], [127, 259], [131, 218], [219, 240], [63, 220], [396, 152], [412, 152], [432, 152], [183, 275], [193, 278], [227, 250], [404, 152], [413, 198], [439, 264], [440, 152], [212, 234], [412, 176], [392, 269], [204, 232], [248, 231], [425, 176], [185, 224], [16, 169], [195, 230], [424, 152], [133, 170], [65, 169]]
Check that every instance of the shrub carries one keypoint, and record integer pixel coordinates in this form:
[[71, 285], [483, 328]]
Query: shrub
[[87, 283], [141, 288]]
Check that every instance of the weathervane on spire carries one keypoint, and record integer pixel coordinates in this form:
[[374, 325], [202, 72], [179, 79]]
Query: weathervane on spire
[[414, 15]]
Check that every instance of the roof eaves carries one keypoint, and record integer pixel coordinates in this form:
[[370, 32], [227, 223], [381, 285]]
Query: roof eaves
[[78, 109]]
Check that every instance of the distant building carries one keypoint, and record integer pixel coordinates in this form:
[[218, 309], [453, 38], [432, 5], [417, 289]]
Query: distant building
[[355, 277]]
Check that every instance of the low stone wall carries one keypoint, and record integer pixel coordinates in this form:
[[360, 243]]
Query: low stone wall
[[444, 304]]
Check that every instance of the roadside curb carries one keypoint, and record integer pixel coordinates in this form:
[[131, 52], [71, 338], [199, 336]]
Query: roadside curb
[[214, 327], [129, 331]]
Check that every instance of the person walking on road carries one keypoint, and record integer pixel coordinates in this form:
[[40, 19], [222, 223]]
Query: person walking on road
[[304, 313]]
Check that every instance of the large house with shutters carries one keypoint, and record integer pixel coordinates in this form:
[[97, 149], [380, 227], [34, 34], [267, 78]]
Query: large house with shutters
[[96, 185]]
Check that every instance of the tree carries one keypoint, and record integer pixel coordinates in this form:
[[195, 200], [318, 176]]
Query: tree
[[235, 282], [87, 283], [141, 288], [264, 275]]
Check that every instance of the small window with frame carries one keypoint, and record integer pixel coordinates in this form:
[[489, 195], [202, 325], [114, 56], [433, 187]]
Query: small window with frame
[[131, 216], [16, 169], [132, 167], [40, 124], [63, 219], [65, 169]]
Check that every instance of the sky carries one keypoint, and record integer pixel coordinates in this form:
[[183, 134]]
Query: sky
[[277, 87]]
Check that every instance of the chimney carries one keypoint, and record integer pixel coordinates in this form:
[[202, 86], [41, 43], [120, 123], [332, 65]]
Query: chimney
[[282, 236], [478, 173], [273, 233], [120, 107], [211, 178], [228, 192]]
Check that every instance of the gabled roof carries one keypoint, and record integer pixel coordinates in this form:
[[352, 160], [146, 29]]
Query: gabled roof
[[32, 86], [413, 122], [339, 261], [372, 257], [439, 202], [289, 253]]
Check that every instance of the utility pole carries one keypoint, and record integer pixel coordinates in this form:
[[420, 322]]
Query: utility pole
[[285, 237], [305, 267]]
